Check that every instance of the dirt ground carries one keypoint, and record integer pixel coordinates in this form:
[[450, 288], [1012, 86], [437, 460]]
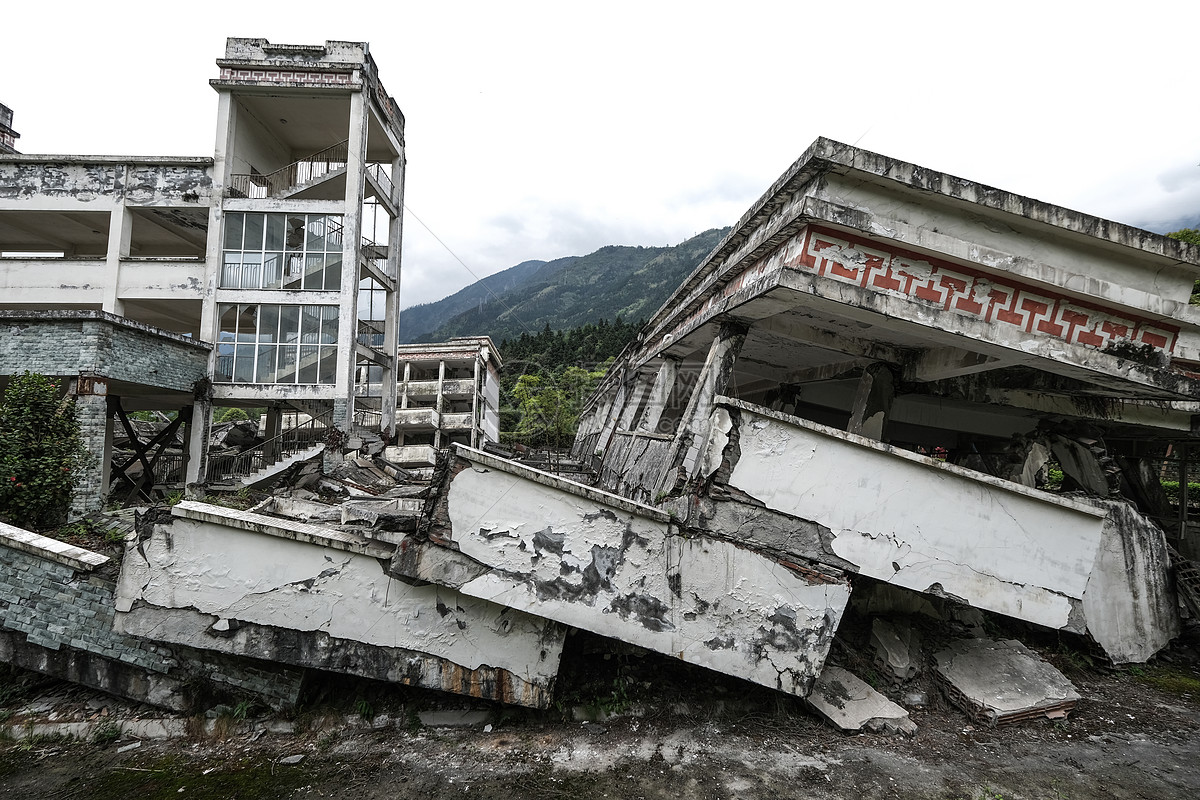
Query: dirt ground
[[1136, 734]]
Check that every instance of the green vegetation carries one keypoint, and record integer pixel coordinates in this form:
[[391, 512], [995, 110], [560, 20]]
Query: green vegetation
[[41, 452], [1170, 679], [548, 376], [1191, 236]]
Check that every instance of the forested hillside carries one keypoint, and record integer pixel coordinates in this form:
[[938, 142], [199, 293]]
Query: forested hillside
[[615, 282]]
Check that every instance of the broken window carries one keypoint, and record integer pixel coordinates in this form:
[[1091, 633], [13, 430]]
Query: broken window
[[298, 252], [277, 344]]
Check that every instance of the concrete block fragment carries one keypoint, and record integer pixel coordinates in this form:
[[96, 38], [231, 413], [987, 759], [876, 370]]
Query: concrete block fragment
[[897, 648], [999, 682], [454, 718], [849, 704]]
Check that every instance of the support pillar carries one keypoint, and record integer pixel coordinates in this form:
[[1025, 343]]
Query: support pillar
[[873, 402], [95, 430], [196, 445], [686, 449], [660, 394]]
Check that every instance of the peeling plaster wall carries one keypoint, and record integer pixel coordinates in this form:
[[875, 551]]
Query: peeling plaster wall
[[562, 551], [1131, 608], [226, 584], [911, 521]]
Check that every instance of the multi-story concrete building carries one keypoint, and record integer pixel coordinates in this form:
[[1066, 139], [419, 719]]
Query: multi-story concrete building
[[272, 265], [449, 393]]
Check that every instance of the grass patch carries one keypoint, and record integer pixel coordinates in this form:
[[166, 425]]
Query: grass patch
[[1169, 679], [171, 776]]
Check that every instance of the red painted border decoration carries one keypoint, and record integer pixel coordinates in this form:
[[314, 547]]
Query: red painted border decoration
[[287, 76], [956, 288]]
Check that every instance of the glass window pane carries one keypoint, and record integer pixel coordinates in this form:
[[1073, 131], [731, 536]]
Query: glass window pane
[[314, 271], [310, 322], [333, 233], [289, 323], [231, 271], [268, 324], [265, 372], [316, 234], [295, 272], [227, 319], [333, 271], [309, 356], [243, 364], [295, 234], [275, 227], [233, 230], [272, 270], [285, 371], [254, 232], [247, 323], [329, 324], [251, 270], [328, 372], [224, 369]]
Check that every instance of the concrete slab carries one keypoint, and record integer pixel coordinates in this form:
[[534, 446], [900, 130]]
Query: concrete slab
[[850, 704], [998, 682], [897, 648]]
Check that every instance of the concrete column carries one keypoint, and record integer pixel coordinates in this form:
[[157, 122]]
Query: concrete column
[[692, 432], [197, 441], [664, 382], [356, 162], [404, 388], [120, 232], [873, 402], [271, 434], [439, 403], [95, 429], [477, 403], [333, 455], [391, 325], [641, 388]]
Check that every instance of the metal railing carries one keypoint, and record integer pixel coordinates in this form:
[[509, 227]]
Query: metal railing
[[298, 173], [383, 177], [249, 461]]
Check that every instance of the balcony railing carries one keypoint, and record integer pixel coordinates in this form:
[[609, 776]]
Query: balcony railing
[[271, 452], [298, 173], [383, 177]]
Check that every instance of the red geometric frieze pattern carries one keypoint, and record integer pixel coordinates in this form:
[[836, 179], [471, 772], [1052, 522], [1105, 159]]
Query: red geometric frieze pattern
[[955, 288], [287, 76]]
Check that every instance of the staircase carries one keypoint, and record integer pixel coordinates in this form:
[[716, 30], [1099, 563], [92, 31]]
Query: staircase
[[295, 177], [269, 459]]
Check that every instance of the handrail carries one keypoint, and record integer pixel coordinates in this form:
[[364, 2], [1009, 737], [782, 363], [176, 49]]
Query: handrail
[[382, 177], [272, 451], [298, 173]]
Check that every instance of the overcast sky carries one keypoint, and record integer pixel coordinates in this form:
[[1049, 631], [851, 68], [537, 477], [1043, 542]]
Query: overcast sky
[[540, 130]]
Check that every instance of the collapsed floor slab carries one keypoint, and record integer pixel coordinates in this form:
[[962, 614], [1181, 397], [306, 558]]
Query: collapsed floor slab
[[1002, 682], [248, 584], [1084, 566], [534, 542]]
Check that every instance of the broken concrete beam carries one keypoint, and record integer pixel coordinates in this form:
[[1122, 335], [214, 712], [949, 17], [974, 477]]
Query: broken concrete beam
[[897, 648], [595, 561], [256, 586], [1002, 682], [1080, 464], [910, 520], [850, 704]]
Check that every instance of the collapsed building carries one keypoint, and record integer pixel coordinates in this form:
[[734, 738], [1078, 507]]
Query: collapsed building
[[886, 389]]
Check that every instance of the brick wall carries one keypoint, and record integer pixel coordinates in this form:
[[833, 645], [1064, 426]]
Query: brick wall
[[50, 593]]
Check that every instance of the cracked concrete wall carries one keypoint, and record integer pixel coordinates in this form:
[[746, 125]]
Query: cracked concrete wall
[[199, 580], [605, 564], [912, 521]]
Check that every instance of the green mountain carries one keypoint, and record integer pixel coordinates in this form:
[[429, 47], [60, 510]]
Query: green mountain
[[613, 282], [420, 320]]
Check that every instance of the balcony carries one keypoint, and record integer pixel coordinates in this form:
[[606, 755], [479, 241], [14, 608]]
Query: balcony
[[458, 422], [417, 418], [419, 388], [412, 455]]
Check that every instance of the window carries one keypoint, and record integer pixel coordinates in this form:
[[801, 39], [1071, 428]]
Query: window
[[301, 252], [277, 344]]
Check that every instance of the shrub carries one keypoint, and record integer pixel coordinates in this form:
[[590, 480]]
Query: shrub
[[41, 452]]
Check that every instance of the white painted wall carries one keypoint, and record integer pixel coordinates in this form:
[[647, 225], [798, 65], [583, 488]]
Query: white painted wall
[[732, 609], [910, 521], [236, 574]]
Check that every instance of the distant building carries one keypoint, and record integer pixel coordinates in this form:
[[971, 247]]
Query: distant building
[[8, 137], [449, 393]]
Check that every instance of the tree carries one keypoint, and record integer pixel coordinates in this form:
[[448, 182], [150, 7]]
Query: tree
[[1189, 235], [41, 452]]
